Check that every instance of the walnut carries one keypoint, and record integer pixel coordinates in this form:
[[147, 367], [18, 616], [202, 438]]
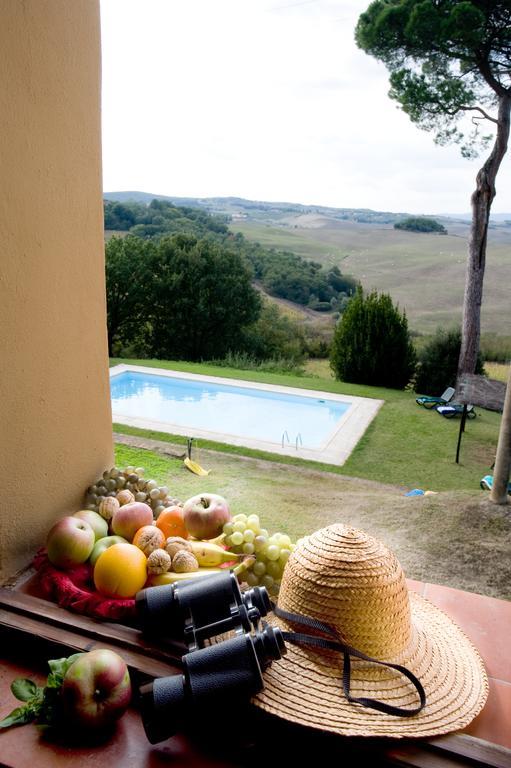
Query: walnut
[[184, 562], [158, 562], [149, 539], [175, 544], [125, 497], [108, 506]]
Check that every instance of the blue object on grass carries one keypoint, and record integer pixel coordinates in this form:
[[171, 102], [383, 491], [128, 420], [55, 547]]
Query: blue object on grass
[[415, 492], [486, 483], [455, 409]]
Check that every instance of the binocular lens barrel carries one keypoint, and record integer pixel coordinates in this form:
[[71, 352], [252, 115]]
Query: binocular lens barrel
[[195, 610], [163, 707], [157, 610], [226, 673], [258, 598]]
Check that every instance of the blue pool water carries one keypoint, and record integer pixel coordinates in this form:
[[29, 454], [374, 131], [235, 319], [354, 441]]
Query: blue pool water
[[244, 412]]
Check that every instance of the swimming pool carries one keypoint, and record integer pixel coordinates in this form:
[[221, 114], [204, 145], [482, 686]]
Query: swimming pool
[[279, 419]]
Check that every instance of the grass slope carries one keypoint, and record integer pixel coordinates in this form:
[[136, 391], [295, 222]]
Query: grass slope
[[424, 273], [406, 445], [444, 539]]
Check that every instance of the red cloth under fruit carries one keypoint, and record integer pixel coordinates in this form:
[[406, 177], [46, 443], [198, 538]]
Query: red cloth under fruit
[[74, 589]]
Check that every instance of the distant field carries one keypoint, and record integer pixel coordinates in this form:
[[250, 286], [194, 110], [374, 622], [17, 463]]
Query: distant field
[[498, 371], [424, 273]]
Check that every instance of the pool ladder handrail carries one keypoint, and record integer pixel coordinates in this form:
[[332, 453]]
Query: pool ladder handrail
[[298, 439]]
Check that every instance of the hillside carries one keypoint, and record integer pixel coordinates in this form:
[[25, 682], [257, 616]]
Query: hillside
[[424, 272], [254, 210], [263, 210]]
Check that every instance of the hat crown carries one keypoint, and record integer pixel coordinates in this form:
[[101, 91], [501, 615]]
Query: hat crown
[[351, 581]]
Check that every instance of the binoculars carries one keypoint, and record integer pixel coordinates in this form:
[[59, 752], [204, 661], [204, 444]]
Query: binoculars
[[230, 670], [197, 609]]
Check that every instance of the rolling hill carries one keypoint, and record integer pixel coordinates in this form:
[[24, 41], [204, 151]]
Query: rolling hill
[[424, 273]]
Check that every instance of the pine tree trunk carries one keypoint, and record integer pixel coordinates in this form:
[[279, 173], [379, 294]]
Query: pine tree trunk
[[482, 199], [502, 469]]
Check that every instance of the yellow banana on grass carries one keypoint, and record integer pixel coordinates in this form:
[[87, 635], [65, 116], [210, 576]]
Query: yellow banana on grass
[[196, 468]]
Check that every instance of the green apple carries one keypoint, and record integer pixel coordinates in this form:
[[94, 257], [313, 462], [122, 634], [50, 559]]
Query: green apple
[[102, 544], [98, 524], [69, 542]]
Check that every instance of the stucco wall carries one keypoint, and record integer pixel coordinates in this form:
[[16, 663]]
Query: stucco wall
[[55, 418]]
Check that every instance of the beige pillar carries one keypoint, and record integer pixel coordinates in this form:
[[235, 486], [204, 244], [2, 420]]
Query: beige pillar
[[55, 417]]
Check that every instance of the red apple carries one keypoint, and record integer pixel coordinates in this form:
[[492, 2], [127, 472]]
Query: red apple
[[130, 517], [96, 690], [102, 544], [205, 515], [69, 542], [98, 524]]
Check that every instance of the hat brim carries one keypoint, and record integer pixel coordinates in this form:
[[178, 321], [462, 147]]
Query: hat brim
[[305, 686]]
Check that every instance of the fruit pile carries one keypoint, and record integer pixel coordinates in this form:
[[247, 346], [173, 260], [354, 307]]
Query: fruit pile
[[131, 480], [134, 534]]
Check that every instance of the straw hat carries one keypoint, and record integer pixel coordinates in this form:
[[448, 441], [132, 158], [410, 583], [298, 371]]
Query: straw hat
[[351, 581]]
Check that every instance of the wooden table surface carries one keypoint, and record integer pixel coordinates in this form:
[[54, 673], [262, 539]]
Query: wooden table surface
[[249, 737]]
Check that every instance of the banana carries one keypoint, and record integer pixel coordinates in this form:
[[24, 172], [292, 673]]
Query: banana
[[171, 578], [210, 555], [196, 468], [247, 562]]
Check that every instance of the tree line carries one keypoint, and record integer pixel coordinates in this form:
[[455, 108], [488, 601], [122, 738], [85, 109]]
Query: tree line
[[280, 273], [420, 224], [181, 297]]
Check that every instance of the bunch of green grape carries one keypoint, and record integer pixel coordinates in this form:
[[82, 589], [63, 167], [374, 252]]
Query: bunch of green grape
[[244, 535], [131, 479]]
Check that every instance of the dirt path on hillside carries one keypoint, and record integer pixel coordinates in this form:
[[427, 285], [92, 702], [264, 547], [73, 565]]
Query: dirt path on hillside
[[299, 309], [458, 539]]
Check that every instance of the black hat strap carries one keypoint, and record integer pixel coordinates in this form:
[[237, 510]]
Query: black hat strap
[[313, 641]]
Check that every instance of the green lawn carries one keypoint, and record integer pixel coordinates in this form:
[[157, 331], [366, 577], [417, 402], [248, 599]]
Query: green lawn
[[445, 538], [405, 445]]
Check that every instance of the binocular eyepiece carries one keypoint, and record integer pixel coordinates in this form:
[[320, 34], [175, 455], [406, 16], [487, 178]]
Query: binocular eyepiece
[[193, 612], [196, 610], [224, 674]]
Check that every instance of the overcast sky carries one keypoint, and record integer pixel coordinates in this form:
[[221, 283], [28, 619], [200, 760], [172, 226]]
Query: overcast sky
[[267, 100]]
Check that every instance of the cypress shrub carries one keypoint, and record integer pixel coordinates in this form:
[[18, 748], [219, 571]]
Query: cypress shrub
[[438, 362], [372, 343]]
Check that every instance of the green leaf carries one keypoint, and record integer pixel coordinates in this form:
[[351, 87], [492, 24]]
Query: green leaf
[[58, 669], [24, 689], [58, 666], [19, 716]]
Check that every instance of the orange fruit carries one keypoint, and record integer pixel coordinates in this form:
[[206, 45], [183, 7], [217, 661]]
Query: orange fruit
[[171, 522], [120, 571]]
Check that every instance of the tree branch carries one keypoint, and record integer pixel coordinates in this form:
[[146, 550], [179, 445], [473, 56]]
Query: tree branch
[[476, 109], [486, 72]]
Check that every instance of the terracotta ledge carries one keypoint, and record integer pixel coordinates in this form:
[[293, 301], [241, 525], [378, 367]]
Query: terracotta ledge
[[487, 622]]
